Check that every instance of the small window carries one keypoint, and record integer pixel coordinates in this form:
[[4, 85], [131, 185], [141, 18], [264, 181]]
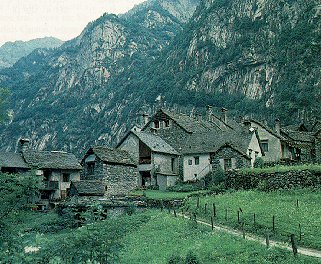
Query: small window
[[227, 164], [66, 177], [156, 124], [166, 123], [256, 154], [197, 160], [265, 145], [250, 152], [173, 164], [195, 176], [190, 162], [91, 168]]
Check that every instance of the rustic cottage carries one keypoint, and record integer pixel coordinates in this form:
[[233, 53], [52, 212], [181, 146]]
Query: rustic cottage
[[157, 160], [114, 168]]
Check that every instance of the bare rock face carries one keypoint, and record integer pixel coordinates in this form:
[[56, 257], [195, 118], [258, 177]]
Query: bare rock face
[[74, 96]]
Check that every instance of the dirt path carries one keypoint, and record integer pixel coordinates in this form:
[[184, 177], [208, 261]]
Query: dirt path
[[251, 237]]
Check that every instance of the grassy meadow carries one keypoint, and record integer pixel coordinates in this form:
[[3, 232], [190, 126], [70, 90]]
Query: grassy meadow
[[292, 210]]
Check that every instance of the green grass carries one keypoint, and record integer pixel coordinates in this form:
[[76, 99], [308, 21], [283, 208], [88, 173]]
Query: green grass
[[164, 195], [281, 168], [281, 204], [164, 236]]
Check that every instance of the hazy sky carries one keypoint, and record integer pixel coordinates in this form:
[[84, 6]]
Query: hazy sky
[[64, 19]]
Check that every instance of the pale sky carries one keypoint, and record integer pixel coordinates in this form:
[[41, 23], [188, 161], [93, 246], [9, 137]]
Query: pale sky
[[63, 19]]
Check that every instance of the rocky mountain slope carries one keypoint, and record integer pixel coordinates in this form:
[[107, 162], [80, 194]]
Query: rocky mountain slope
[[251, 56], [74, 96], [11, 52]]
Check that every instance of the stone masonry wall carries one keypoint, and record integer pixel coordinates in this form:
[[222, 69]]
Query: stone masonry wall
[[119, 179], [229, 153]]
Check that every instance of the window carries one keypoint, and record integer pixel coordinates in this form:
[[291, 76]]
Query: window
[[173, 164], [227, 164], [190, 162], [91, 168], [65, 177], [256, 154], [166, 123], [265, 145], [197, 160], [156, 124], [250, 152]]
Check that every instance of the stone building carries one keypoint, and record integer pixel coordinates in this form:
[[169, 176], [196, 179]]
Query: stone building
[[87, 188], [157, 161], [114, 168], [57, 169], [188, 147]]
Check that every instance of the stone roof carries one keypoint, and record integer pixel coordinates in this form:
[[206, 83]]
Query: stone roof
[[115, 156], [155, 143], [267, 129], [89, 188], [298, 135], [12, 160], [51, 160], [190, 124], [211, 142]]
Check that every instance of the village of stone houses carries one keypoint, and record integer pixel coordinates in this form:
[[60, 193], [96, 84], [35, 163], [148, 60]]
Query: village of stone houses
[[178, 132]]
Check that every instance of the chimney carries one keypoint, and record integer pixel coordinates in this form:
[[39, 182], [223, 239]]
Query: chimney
[[209, 112], [224, 114], [23, 145], [277, 126], [145, 119], [247, 124]]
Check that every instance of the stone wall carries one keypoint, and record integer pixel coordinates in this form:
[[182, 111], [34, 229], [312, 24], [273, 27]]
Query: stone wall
[[238, 160], [119, 179], [273, 181], [98, 171]]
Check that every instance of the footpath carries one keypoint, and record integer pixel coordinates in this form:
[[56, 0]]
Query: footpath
[[251, 237]]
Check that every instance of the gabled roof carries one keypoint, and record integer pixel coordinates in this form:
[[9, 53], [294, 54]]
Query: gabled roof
[[89, 188], [51, 160], [155, 143], [211, 142], [188, 123], [113, 156], [267, 129], [12, 160], [298, 135]]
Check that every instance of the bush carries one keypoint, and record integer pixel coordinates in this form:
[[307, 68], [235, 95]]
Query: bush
[[175, 259], [258, 163], [192, 258]]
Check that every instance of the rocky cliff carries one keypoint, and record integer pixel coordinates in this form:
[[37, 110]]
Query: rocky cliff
[[252, 56], [74, 96]]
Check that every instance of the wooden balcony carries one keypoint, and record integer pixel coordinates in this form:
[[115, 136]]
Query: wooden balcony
[[50, 185]]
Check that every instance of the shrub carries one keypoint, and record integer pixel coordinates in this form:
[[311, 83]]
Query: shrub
[[175, 259], [258, 163], [192, 258]]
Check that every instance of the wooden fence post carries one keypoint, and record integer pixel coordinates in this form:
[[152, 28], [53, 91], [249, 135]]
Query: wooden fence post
[[254, 219], [294, 245], [175, 213], [300, 229], [225, 214], [214, 210], [195, 218], [238, 217], [273, 223], [243, 232], [267, 239], [297, 203], [212, 222], [205, 208], [198, 202]]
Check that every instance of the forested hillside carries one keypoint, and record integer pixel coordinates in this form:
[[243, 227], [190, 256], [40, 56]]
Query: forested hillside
[[253, 56]]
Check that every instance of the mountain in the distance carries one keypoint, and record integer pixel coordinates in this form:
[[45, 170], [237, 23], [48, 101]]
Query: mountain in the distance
[[11, 52]]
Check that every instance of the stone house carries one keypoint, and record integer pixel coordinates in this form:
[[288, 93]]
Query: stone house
[[157, 161], [57, 169], [114, 168], [190, 146]]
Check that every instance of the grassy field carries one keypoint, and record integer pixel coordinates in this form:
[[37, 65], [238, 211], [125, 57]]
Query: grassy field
[[164, 236], [148, 237], [164, 195], [282, 205]]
